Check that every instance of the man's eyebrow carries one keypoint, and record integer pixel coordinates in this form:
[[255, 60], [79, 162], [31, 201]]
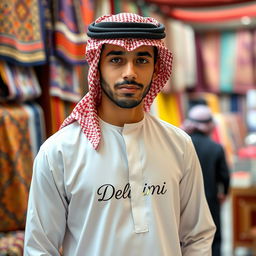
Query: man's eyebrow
[[123, 53], [115, 53], [144, 54]]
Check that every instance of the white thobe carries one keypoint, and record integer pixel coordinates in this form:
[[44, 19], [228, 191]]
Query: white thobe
[[141, 193]]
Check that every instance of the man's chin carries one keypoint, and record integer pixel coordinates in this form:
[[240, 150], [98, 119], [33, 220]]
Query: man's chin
[[127, 104]]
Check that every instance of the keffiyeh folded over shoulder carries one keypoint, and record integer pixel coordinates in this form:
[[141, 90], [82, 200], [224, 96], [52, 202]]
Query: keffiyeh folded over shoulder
[[85, 112]]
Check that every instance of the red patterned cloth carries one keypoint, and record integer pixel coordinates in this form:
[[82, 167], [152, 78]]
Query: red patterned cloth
[[85, 112]]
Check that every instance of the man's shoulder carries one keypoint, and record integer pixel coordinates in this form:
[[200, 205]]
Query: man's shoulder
[[63, 137], [171, 129]]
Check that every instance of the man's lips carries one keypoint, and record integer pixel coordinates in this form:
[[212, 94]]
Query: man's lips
[[129, 88]]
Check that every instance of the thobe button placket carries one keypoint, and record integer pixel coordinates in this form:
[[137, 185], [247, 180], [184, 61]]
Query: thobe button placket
[[131, 135]]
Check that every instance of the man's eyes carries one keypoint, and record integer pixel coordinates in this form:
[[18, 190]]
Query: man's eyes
[[117, 60], [142, 61]]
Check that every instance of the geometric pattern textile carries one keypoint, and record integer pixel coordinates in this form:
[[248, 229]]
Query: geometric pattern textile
[[21, 37], [15, 166], [65, 80]]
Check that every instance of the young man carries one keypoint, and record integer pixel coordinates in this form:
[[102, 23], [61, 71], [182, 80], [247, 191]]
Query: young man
[[116, 180], [200, 125]]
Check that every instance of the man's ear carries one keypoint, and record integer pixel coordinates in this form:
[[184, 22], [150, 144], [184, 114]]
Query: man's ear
[[156, 69]]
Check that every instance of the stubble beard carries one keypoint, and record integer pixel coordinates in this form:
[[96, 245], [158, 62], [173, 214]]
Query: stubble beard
[[122, 103]]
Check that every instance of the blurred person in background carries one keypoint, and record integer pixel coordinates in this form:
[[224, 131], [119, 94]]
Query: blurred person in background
[[199, 125]]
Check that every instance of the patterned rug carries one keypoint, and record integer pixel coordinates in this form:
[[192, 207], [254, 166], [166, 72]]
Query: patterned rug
[[15, 166]]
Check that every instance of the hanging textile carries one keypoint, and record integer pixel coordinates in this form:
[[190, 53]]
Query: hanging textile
[[210, 48], [211, 14], [169, 108], [175, 42], [65, 80], [223, 133], [244, 62], [70, 26], [21, 35], [227, 60], [102, 7], [36, 126], [224, 101], [195, 3], [59, 111], [22, 132], [16, 166], [18, 82], [200, 77]]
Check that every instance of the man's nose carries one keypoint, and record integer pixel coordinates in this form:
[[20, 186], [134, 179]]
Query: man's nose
[[129, 72]]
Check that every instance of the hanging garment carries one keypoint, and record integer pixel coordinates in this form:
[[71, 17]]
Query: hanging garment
[[16, 166], [175, 42], [102, 6], [21, 32], [213, 13], [210, 47], [60, 109], [196, 3], [201, 84], [70, 26], [20, 83], [244, 62], [227, 61], [65, 80], [36, 126], [169, 108], [22, 132]]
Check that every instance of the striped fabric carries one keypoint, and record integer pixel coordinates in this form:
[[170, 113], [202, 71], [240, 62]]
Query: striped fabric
[[21, 83], [71, 21], [211, 14]]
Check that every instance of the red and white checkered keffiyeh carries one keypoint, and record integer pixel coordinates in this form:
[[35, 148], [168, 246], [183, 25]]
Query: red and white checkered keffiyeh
[[85, 112]]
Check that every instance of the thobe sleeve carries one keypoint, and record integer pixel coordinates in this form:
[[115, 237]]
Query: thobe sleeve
[[47, 210], [197, 228]]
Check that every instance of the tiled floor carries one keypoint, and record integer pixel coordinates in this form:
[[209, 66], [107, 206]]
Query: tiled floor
[[227, 246]]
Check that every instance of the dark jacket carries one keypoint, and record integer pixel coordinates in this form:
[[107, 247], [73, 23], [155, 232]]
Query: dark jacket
[[213, 162]]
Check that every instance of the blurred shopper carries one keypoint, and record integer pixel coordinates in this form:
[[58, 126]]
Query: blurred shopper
[[215, 170]]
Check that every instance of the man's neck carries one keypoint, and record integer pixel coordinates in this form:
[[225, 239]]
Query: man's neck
[[112, 114]]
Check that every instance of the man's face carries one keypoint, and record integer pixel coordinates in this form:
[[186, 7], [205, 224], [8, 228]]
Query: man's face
[[126, 76]]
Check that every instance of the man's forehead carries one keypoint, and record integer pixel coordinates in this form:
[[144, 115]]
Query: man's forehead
[[112, 47]]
